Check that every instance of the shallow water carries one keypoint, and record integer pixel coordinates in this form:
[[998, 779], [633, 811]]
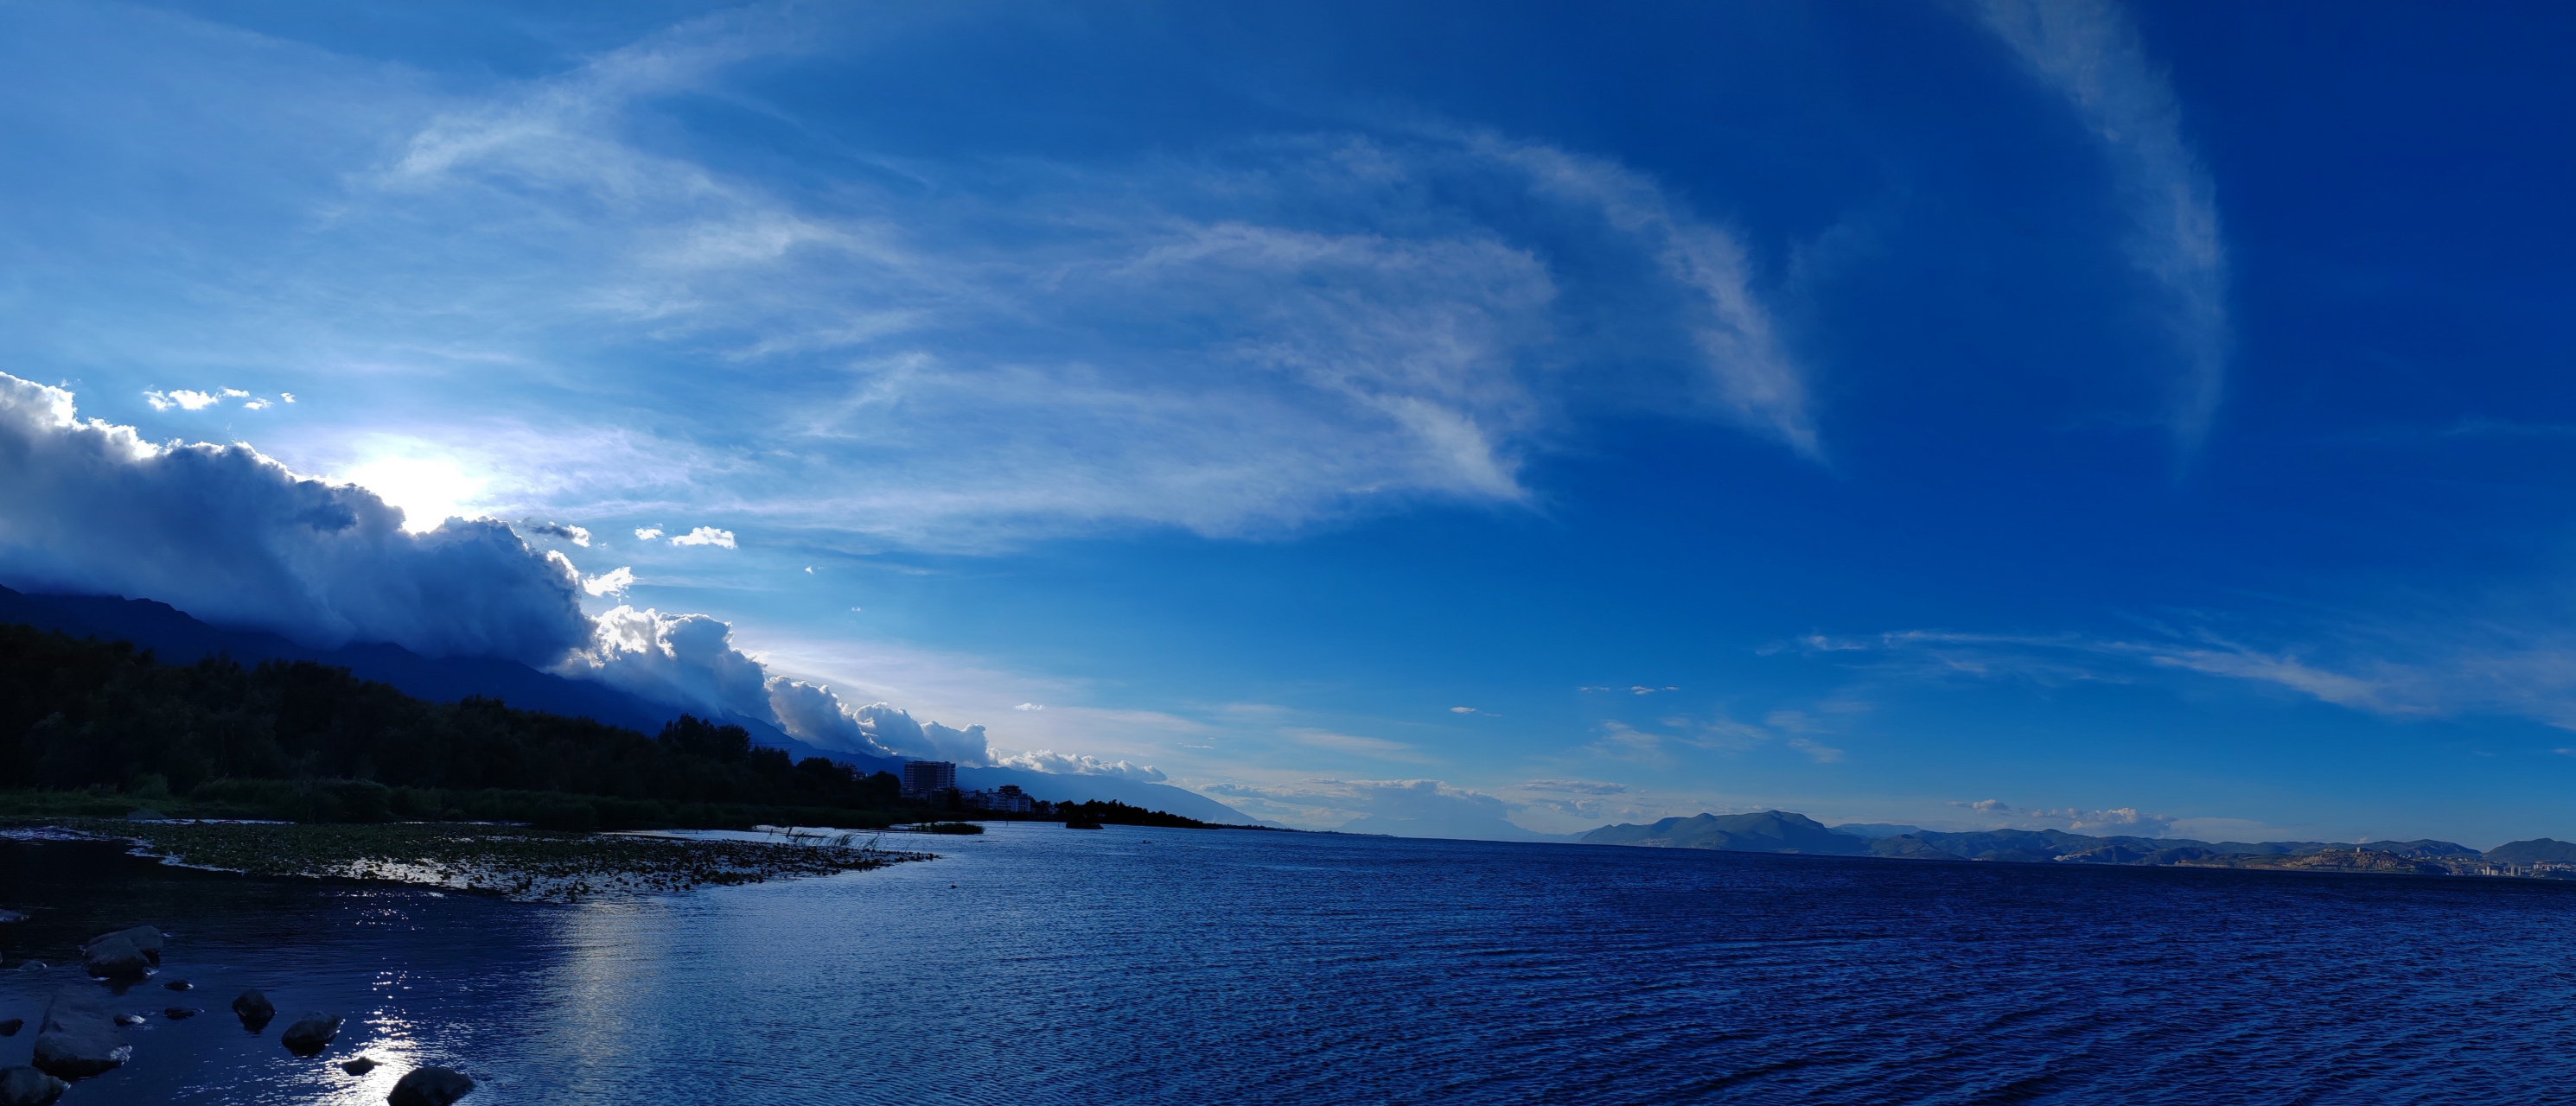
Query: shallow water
[[1187, 966]]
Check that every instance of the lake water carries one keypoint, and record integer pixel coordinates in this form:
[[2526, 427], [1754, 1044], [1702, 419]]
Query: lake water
[[1042, 965]]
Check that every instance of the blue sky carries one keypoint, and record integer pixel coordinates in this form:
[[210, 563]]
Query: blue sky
[[2146, 418]]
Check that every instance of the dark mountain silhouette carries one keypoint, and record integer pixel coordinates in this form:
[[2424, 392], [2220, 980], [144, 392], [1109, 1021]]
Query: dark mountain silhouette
[[1874, 830], [1771, 831], [1783, 832], [2533, 851]]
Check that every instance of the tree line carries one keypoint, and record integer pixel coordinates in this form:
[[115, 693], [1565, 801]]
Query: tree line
[[311, 742]]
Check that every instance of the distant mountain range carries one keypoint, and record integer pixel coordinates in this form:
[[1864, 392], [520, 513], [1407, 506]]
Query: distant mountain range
[[1779, 831], [177, 637], [1771, 831]]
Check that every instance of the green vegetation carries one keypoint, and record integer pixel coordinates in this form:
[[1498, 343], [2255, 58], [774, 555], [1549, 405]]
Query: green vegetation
[[948, 827]]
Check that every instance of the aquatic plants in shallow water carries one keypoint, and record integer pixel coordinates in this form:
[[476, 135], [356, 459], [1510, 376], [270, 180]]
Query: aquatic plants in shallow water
[[512, 861]]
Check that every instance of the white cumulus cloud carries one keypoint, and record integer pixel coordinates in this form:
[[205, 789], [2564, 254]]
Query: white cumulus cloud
[[1069, 764], [704, 535], [574, 534], [235, 538]]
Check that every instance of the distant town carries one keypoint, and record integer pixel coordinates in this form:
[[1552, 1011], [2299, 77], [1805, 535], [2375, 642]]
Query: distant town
[[934, 782]]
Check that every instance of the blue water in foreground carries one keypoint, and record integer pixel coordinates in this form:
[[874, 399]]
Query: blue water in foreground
[[1178, 966]]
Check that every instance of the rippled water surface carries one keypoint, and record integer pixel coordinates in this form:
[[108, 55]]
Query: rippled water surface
[[1216, 967]]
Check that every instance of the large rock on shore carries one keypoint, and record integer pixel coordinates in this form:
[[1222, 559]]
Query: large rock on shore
[[9, 1028], [116, 958], [145, 939], [310, 1033], [79, 1037], [29, 1087], [430, 1087], [254, 1009]]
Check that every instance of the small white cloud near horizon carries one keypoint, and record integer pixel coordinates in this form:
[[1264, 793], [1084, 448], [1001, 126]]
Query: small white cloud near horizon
[[2114, 822], [647, 533], [612, 582], [1578, 787], [182, 398], [190, 399], [1030, 706], [704, 535]]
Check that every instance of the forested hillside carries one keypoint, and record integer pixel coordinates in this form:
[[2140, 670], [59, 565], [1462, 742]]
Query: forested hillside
[[86, 714]]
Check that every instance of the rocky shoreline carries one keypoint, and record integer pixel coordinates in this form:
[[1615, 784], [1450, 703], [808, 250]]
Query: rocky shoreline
[[516, 862], [82, 1030]]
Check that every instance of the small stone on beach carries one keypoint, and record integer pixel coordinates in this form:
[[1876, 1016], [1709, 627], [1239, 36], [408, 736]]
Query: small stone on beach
[[178, 985], [359, 1066], [181, 1013], [31, 965], [10, 1028], [8, 916], [129, 1019]]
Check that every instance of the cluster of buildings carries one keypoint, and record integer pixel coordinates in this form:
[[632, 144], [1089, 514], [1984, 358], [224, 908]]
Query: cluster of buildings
[[935, 782], [2538, 869]]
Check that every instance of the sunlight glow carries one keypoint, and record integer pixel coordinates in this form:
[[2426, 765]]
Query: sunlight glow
[[429, 490]]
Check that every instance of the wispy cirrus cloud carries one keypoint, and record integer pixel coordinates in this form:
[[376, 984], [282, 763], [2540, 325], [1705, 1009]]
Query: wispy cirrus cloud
[[2089, 51], [1404, 808], [1797, 730], [1240, 339], [1752, 375], [1373, 747], [2423, 671]]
